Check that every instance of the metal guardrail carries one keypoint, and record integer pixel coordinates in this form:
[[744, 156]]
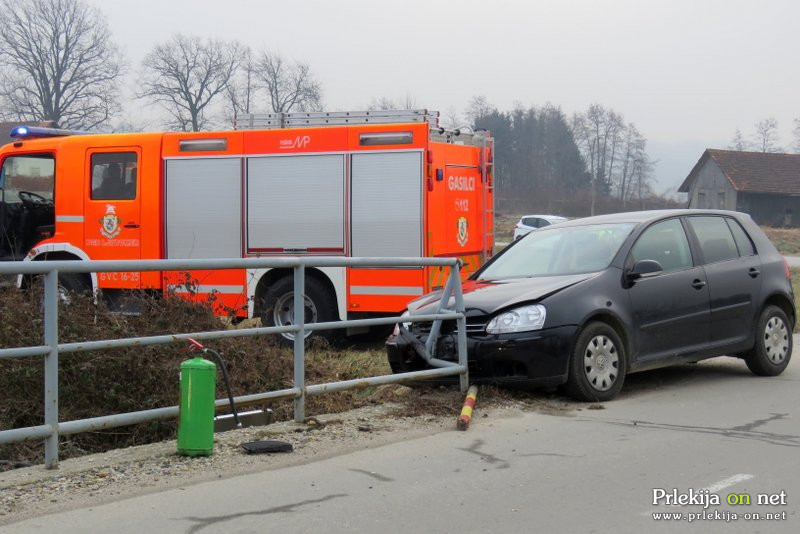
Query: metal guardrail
[[51, 348]]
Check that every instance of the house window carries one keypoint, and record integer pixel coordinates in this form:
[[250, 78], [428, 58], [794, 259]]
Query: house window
[[721, 200], [701, 200]]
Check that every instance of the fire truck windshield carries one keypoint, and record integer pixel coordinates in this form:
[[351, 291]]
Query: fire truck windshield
[[29, 173]]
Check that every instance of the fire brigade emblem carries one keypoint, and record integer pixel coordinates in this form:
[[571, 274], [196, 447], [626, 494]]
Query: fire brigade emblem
[[109, 224], [462, 231]]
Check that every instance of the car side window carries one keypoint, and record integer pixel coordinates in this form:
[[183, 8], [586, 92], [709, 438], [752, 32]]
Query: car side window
[[543, 223], [742, 240], [666, 243], [716, 240]]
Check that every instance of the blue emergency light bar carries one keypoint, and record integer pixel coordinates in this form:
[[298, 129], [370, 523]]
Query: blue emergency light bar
[[32, 132]]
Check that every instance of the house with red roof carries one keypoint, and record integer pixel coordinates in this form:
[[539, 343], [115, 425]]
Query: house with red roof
[[764, 185]]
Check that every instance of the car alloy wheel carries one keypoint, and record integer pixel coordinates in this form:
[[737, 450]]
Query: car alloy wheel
[[601, 363]]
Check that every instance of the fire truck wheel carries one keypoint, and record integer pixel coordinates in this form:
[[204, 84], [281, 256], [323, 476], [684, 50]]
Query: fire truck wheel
[[278, 307], [73, 283]]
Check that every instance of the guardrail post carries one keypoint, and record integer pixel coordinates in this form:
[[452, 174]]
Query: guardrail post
[[299, 342], [461, 325], [51, 368]]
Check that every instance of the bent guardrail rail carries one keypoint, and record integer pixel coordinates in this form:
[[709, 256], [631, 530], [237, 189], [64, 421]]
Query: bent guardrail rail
[[51, 348]]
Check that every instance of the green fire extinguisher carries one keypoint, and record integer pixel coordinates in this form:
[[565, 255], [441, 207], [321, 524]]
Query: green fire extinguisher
[[198, 395], [196, 410]]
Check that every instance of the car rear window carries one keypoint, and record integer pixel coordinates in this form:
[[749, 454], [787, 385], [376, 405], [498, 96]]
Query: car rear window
[[742, 240], [716, 240]]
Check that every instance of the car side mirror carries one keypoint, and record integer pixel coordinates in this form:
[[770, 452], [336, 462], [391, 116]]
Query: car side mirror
[[644, 269]]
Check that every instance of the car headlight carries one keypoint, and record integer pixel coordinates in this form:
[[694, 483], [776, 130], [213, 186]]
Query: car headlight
[[406, 325], [520, 319]]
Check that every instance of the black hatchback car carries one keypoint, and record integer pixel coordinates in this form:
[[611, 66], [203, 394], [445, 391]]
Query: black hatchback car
[[585, 302]]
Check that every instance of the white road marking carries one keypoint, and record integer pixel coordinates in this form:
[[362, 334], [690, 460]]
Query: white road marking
[[725, 482]]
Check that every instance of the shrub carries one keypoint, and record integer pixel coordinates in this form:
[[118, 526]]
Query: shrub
[[97, 383]]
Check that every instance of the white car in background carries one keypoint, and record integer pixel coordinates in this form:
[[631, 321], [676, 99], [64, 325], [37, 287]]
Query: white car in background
[[529, 223]]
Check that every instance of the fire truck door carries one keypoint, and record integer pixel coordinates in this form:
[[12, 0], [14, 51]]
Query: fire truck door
[[112, 211]]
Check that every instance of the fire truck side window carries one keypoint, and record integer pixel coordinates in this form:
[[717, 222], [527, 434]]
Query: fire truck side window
[[113, 176]]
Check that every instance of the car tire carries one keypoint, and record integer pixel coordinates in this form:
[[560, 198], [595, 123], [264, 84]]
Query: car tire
[[773, 343], [278, 307], [598, 364]]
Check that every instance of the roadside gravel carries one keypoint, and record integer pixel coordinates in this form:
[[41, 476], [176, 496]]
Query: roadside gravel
[[113, 475], [99, 478]]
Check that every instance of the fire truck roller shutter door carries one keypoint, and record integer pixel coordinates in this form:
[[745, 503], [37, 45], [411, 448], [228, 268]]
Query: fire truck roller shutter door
[[296, 203], [387, 219], [203, 208], [387, 204], [203, 205]]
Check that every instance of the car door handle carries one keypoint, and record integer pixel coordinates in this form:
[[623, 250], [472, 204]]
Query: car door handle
[[753, 272], [131, 225], [698, 284]]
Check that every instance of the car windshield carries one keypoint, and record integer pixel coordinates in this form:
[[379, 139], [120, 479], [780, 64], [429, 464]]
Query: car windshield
[[560, 251]]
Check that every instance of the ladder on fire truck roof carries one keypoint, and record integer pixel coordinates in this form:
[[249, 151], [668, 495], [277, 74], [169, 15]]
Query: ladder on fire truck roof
[[272, 121], [487, 176], [269, 121]]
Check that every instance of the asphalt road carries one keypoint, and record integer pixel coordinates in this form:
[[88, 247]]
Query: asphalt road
[[711, 427]]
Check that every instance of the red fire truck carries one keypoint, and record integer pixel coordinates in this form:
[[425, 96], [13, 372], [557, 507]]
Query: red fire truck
[[367, 184]]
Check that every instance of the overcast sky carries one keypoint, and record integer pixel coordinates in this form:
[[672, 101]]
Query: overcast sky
[[687, 73]]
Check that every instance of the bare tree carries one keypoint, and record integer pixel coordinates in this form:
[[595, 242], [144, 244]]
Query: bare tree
[[290, 86], [187, 73], [598, 133], [478, 107], [796, 133], [643, 170], [58, 63], [410, 102], [451, 119], [766, 137], [381, 103], [633, 158], [125, 123], [241, 92], [738, 142], [385, 103]]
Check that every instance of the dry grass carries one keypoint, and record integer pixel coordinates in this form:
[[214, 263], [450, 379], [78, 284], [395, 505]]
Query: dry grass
[[786, 240], [99, 383], [504, 227]]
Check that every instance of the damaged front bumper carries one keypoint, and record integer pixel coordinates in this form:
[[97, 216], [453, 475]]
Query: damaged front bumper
[[538, 358]]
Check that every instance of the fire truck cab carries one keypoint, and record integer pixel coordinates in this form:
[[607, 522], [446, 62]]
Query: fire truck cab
[[368, 184]]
